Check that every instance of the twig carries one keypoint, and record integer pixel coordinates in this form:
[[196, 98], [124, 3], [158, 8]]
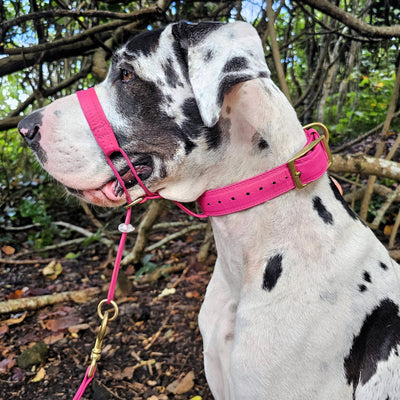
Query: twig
[[158, 333], [381, 212], [33, 303], [91, 216], [25, 262], [175, 235], [160, 272], [21, 228], [394, 231], [208, 239], [150, 216]]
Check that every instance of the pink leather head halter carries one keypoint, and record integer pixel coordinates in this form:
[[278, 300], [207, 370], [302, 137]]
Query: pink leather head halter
[[306, 166]]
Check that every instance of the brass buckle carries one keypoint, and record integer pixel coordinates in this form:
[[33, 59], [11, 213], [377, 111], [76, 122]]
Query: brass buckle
[[291, 163]]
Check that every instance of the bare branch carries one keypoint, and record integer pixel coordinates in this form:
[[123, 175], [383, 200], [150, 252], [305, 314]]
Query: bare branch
[[352, 22]]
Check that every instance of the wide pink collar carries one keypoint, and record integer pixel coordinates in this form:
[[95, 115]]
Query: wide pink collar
[[306, 166]]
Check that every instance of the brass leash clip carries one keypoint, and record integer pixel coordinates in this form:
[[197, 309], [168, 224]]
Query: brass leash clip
[[105, 318]]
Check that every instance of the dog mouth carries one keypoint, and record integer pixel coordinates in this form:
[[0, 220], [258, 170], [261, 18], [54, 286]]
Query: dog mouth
[[112, 192]]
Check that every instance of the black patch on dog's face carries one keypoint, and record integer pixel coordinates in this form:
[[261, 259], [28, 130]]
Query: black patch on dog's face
[[194, 125], [378, 337], [171, 76], [322, 211], [236, 64], [272, 272], [145, 43]]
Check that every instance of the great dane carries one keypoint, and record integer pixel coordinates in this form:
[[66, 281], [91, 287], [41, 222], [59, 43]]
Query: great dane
[[303, 303]]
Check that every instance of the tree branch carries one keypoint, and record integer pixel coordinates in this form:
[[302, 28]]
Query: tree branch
[[352, 22]]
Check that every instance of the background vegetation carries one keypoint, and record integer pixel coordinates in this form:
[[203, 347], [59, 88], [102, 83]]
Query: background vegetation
[[336, 60]]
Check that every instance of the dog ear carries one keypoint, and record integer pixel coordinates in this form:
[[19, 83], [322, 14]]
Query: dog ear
[[218, 56]]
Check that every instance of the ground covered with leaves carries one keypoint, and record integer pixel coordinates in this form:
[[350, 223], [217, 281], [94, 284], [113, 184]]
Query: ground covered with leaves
[[153, 350]]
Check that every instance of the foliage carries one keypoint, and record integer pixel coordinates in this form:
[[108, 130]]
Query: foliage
[[363, 109]]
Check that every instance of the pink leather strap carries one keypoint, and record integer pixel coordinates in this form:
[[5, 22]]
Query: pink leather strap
[[229, 199], [104, 135], [268, 185]]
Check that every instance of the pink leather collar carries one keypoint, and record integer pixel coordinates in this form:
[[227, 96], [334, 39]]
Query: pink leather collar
[[306, 166]]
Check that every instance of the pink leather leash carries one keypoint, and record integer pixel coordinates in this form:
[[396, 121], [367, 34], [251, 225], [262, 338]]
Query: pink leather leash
[[306, 166]]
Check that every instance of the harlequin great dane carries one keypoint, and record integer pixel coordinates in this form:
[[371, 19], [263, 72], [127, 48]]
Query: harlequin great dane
[[304, 301]]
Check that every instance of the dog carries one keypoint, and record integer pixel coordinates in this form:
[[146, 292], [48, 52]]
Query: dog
[[304, 301]]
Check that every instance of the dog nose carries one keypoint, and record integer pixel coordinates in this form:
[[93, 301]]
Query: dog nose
[[29, 127]]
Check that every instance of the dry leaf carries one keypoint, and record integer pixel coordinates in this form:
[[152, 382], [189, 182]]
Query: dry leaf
[[15, 321], [49, 340], [182, 385], [167, 292], [387, 231], [52, 270], [8, 250], [63, 323], [7, 364], [39, 376], [77, 328]]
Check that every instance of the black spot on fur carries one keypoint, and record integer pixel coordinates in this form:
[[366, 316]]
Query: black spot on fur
[[383, 265], [272, 272], [171, 75], [367, 277], [362, 288], [341, 199], [208, 56], [236, 64], [322, 211], [263, 144], [378, 337]]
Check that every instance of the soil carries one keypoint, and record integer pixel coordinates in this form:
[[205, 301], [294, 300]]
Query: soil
[[153, 343]]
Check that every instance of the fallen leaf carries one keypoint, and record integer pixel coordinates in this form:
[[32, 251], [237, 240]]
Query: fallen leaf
[[39, 376], [387, 231], [52, 270], [49, 340], [3, 330], [196, 398], [182, 384], [15, 321], [77, 328], [7, 364], [192, 295], [167, 292], [55, 325], [8, 250]]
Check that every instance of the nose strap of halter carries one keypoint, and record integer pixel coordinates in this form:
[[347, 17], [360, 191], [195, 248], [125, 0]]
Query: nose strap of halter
[[104, 135]]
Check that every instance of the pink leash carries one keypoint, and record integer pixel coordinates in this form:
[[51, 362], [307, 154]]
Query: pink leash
[[306, 166]]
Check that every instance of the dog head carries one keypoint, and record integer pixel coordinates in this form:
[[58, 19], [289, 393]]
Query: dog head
[[163, 97]]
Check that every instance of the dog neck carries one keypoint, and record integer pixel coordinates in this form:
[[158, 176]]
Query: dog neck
[[264, 132]]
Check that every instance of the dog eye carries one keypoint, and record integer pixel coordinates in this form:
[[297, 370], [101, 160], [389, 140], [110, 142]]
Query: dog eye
[[126, 75]]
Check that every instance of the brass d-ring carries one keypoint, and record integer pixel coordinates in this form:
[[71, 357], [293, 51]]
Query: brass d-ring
[[320, 125], [100, 312]]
